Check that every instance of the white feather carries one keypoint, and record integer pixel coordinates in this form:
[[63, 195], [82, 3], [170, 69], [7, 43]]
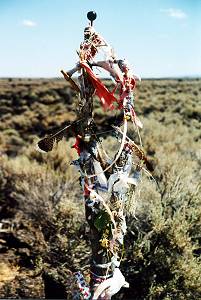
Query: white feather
[[112, 285]]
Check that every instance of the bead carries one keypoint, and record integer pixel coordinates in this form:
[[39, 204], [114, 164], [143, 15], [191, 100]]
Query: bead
[[91, 16]]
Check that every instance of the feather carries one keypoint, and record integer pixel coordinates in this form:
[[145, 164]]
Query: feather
[[68, 78], [119, 151], [101, 176], [111, 286], [138, 152], [47, 143]]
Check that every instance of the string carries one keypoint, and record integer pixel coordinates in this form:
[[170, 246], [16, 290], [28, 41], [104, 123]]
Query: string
[[119, 152]]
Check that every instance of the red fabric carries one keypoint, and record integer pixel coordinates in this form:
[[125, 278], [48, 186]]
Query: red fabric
[[130, 83], [127, 86], [76, 146], [106, 97], [86, 190]]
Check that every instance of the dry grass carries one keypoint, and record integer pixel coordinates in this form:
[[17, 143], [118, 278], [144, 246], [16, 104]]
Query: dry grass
[[7, 273], [40, 195]]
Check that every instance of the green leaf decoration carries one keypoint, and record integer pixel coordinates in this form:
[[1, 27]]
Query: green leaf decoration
[[102, 220]]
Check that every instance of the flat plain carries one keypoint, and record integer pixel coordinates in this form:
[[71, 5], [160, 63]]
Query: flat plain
[[43, 233]]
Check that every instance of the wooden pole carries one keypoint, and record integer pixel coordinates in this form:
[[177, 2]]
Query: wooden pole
[[106, 184], [105, 218]]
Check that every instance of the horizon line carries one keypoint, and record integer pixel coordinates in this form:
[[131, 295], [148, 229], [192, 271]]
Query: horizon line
[[198, 76]]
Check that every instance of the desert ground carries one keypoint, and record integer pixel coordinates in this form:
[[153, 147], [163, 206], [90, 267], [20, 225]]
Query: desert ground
[[43, 232]]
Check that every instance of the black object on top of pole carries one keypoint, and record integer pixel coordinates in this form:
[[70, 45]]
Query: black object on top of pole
[[91, 16]]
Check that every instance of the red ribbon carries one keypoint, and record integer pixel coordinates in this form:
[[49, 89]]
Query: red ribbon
[[106, 97]]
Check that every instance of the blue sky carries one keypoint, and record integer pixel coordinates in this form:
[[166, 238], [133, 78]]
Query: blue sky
[[159, 38]]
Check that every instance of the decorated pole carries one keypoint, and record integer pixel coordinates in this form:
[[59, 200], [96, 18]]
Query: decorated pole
[[106, 183]]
